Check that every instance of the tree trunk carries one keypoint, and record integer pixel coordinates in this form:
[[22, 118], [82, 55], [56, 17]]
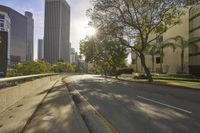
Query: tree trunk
[[182, 58], [161, 60], [105, 73], [149, 76], [136, 63], [152, 56]]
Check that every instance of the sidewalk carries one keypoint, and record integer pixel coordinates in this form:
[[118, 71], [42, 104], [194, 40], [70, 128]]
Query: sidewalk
[[55, 114], [183, 84], [13, 119]]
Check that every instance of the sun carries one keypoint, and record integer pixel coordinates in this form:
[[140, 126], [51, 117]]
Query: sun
[[89, 31]]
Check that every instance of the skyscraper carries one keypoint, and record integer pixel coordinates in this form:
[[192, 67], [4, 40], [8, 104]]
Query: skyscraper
[[5, 24], [57, 31], [40, 49], [30, 36], [20, 34]]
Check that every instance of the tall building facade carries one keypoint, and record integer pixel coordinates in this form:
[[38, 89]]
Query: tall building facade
[[57, 31], [171, 62], [194, 32], [3, 47], [19, 34], [188, 29], [30, 36], [40, 49], [5, 24]]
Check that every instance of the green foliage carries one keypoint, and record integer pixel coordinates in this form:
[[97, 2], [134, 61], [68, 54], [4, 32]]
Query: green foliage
[[133, 21], [104, 53], [29, 67], [63, 67], [178, 77], [124, 71], [12, 73], [139, 76]]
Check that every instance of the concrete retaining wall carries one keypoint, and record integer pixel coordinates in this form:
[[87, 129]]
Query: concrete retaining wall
[[11, 95]]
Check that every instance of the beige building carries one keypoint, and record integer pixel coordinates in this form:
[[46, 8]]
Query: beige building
[[172, 59], [194, 52]]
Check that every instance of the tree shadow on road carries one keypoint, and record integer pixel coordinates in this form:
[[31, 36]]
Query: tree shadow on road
[[118, 102]]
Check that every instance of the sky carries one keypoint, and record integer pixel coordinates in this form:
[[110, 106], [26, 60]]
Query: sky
[[79, 21]]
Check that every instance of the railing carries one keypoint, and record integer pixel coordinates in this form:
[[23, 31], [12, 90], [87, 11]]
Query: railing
[[11, 81], [14, 89]]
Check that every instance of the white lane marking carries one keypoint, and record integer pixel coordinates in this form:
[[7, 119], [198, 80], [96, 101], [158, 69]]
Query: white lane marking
[[170, 106]]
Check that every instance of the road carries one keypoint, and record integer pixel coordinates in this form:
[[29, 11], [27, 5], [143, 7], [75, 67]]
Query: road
[[142, 108]]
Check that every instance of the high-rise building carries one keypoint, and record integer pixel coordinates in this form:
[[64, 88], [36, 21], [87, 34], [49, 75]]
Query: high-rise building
[[3, 52], [57, 31], [40, 49], [20, 34], [194, 32], [30, 35], [4, 42]]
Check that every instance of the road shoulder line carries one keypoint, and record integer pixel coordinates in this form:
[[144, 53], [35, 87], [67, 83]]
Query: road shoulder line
[[167, 105]]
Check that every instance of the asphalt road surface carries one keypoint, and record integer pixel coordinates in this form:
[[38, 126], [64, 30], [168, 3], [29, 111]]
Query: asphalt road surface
[[142, 108]]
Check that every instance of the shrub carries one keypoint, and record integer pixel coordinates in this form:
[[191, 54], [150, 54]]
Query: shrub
[[29, 67], [63, 67], [139, 76]]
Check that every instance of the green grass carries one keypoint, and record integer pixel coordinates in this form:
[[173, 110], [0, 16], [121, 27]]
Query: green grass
[[171, 77], [178, 82]]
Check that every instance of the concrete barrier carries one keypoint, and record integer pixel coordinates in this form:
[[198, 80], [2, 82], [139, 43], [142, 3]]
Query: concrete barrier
[[11, 95]]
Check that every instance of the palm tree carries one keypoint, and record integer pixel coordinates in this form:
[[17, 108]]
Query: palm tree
[[152, 50], [181, 43], [158, 48]]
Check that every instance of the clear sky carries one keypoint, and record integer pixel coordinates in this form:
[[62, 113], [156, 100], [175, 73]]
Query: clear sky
[[79, 21]]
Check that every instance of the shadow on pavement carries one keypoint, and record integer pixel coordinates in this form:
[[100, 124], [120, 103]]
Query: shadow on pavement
[[118, 102]]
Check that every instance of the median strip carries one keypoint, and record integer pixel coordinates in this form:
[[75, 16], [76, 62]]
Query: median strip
[[95, 122]]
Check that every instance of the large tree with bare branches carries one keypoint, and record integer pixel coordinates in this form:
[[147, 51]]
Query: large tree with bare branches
[[134, 20]]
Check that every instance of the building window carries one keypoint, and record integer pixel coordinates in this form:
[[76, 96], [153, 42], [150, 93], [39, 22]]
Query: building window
[[2, 16], [1, 25], [158, 60]]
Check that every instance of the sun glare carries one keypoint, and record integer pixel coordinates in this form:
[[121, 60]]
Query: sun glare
[[89, 31]]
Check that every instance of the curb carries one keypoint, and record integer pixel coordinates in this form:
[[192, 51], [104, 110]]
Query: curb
[[102, 118], [74, 106], [106, 122], [161, 84]]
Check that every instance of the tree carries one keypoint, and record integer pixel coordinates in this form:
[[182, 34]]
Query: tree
[[131, 19], [182, 43], [152, 50], [30, 67], [63, 67], [103, 53]]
